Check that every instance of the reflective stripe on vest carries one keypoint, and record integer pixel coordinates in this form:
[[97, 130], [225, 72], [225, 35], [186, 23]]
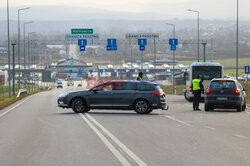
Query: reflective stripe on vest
[[196, 84], [139, 78]]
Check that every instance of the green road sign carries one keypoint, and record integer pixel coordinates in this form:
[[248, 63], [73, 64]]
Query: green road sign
[[70, 66], [81, 31]]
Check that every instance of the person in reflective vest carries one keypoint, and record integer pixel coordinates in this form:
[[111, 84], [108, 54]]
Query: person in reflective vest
[[197, 88], [139, 77]]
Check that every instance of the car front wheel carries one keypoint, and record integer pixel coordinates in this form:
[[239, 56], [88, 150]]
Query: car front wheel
[[79, 106], [142, 107]]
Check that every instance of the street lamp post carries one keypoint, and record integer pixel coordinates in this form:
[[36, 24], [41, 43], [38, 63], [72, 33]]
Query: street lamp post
[[29, 59], [173, 79], [13, 72], [237, 41], [8, 31], [24, 24], [198, 34], [19, 59]]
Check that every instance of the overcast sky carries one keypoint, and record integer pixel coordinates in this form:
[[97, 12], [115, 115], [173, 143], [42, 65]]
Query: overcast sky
[[126, 9]]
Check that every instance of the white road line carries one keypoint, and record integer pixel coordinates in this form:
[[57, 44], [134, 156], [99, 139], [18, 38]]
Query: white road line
[[209, 127], [248, 112], [173, 118], [119, 143], [14, 107], [116, 153], [241, 136]]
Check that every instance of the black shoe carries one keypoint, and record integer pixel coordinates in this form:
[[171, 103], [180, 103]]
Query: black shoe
[[197, 109]]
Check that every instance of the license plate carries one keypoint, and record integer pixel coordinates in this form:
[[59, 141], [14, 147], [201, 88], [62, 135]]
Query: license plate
[[221, 98]]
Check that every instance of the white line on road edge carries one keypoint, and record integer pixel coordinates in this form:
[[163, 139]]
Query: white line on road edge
[[119, 143], [117, 154], [208, 127], [173, 118], [14, 107], [241, 136]]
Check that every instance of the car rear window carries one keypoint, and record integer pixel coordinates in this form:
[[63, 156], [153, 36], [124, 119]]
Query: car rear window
[[145, 87], [222, 84]]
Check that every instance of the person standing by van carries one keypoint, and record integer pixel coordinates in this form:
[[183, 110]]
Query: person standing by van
[[197, 88]]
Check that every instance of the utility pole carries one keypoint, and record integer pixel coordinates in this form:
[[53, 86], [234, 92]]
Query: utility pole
[[13, 51], [204, 50]]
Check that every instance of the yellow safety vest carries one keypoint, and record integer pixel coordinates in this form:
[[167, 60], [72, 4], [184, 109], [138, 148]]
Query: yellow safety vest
[[139, 78], [196, 84]]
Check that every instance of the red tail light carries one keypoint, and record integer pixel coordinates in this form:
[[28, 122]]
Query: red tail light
[[190, 89], [235, 91], [223, 80], [157, 93], [209, 91]]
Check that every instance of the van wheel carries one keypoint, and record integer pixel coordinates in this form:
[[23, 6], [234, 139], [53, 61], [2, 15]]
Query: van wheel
[[239, 108], [244, 106], [142, 106], [79, 106]]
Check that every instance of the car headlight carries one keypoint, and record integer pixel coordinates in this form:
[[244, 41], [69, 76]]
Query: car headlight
[[63, 95]]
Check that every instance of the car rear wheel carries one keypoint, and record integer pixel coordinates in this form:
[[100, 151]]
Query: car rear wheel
[[239, 108], [207, 108], [79, 106], [142, 107]]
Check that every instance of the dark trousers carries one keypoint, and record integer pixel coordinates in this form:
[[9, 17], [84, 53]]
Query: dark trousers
[[197, 98]]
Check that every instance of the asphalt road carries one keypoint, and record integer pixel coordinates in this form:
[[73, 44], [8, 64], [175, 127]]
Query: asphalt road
[[35, 132]]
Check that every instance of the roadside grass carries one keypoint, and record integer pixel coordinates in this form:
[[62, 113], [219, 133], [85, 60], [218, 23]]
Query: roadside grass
[[5, 101], [169, 91]]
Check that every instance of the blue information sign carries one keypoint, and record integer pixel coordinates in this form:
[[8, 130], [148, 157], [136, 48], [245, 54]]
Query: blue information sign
[[112, 48], [90, 71], [247, 69], [136, 70], [70, 71], [173, 41], [111, 42], [148, 70], [82, 48], [142, 48], [116, 70], [80, 71], [142, 42], [173, 48], [127, 70], [82, 42]]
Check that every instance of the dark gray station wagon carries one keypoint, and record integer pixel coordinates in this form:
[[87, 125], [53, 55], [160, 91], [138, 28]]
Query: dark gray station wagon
[[142, 97]]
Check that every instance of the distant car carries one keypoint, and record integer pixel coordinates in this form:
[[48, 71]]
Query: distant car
[[142, 97], [225, 94], [59, 84]]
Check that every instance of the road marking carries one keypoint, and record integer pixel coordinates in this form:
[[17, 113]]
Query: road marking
[[209, 127], [119, 143], [241, 136], [177, 120], [116, 153], [248, 112], [14, 107]]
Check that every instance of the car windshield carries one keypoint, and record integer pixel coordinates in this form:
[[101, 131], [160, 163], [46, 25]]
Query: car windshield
[[222, 84]]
